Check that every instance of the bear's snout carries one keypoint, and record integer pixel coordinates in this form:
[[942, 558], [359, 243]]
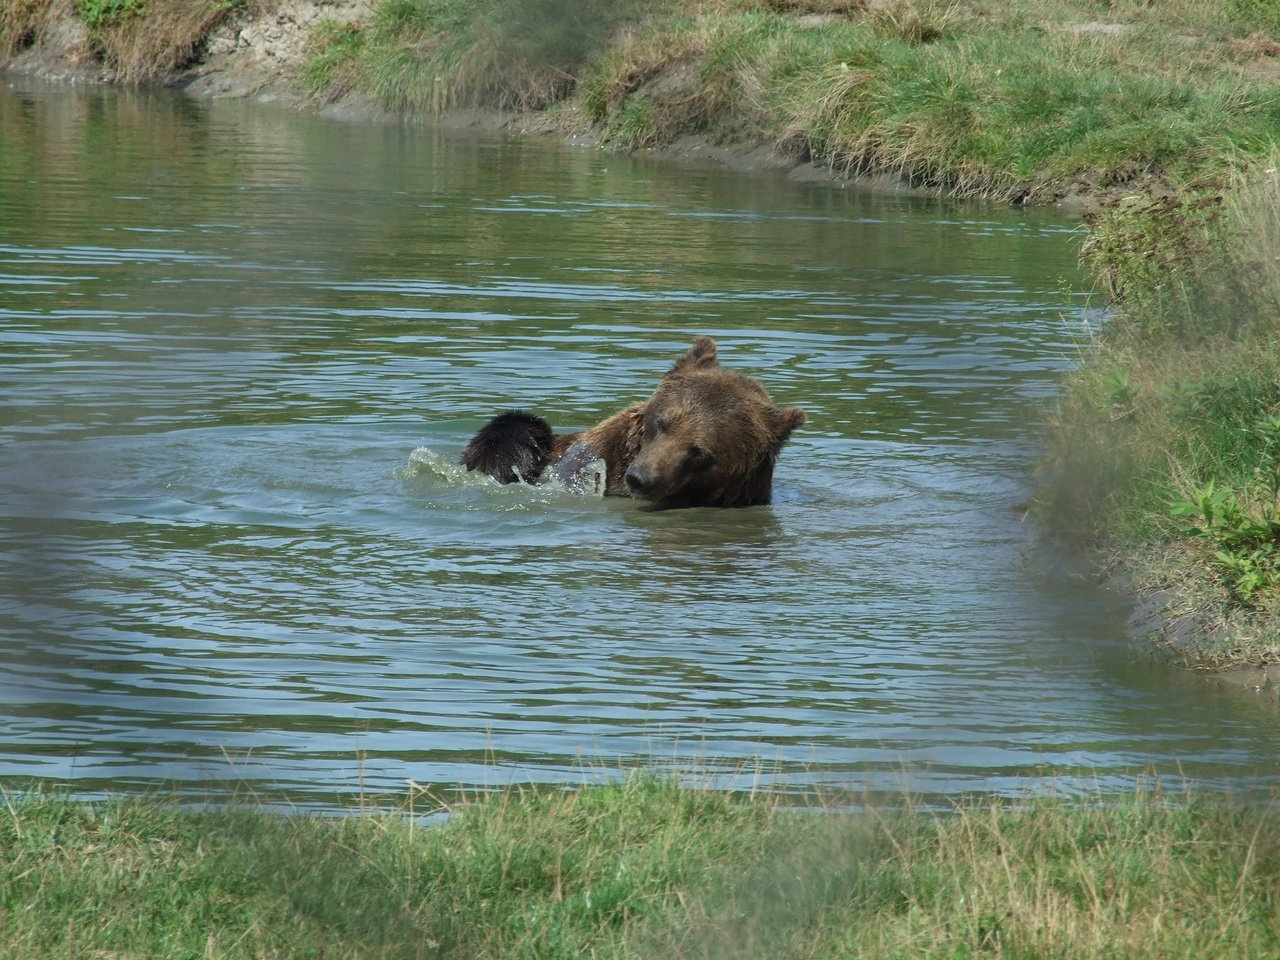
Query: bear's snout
[[639, 479]]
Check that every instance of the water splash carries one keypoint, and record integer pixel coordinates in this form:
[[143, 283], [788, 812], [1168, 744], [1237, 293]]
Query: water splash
[[578, 473]]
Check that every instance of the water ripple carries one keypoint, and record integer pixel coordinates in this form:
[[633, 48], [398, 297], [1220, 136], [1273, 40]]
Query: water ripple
[[237, 546]]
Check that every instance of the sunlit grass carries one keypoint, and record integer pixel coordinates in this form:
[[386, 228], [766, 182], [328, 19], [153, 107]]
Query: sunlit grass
[[645, 868], [1009, 103]]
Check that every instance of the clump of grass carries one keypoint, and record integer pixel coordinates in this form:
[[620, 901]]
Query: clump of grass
[[677, 76], [23, 22], [436, 54], [332, 66], [152, 41], [915, 21], [1167, 442], [645, 868]]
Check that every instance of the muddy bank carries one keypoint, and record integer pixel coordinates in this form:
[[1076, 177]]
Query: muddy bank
[[1182, 633]]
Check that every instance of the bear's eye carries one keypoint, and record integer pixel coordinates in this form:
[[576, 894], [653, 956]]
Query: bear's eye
[[699, 457]]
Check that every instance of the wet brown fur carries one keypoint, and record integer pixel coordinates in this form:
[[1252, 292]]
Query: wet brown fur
[[707, 437]]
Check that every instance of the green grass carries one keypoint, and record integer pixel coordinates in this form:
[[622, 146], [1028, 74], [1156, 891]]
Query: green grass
[[977, 100], [1165, 451], [432, 55], [643, 868], [97, 13], [331, 65]]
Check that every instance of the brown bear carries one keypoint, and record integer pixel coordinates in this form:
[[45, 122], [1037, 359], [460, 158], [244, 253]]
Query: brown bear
[[708, 437]]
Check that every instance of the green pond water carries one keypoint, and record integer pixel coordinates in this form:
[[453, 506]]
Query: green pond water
[[241, 349]]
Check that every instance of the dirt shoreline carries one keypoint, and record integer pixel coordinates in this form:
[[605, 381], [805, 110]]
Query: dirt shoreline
[[1162, 622]]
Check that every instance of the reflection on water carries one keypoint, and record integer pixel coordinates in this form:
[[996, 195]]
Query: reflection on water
[[241, 349]]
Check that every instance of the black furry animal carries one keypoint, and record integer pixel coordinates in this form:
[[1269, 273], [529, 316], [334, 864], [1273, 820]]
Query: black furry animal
[[512, 446]]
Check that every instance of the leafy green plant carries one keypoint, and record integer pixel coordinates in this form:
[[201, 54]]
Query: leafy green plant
[[1246, 542], [1118, 387], [1252, 570], [97, 13]]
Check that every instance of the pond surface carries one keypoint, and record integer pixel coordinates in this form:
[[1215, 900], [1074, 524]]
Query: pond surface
[[241, 349]]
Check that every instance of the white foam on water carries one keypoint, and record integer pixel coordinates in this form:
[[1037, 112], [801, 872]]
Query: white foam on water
[[574, 474]]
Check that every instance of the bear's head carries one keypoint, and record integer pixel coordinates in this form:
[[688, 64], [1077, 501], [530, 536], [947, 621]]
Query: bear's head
[[710, 437]]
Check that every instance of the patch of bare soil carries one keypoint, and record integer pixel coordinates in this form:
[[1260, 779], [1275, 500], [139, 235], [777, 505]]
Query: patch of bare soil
[[1180, 636], [255, 52], [258, 54]]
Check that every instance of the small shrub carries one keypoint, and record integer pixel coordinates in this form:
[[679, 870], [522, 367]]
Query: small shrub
[[633, 126], [1246, 544], [331, 69], [97, 13], [916, 21]]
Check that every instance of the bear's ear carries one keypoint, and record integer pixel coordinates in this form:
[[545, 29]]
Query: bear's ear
[[787, 421], [701, 356]]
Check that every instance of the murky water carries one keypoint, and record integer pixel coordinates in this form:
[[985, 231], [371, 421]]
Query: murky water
[[240, 349]]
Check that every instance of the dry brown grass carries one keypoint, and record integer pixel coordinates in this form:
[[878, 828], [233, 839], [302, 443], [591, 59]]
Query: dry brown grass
[[24, 23], [797, 7], [154, 47], [636, 60], [916, 21]]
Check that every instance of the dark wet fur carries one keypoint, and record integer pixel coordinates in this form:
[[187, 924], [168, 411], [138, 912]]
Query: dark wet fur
[[512, 446]]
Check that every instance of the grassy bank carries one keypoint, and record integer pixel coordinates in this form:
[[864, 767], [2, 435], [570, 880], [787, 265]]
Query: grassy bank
[[131, 41], [644, 869], [1022, 100], [1018, 101], [1161, 117], [1165, 453]]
